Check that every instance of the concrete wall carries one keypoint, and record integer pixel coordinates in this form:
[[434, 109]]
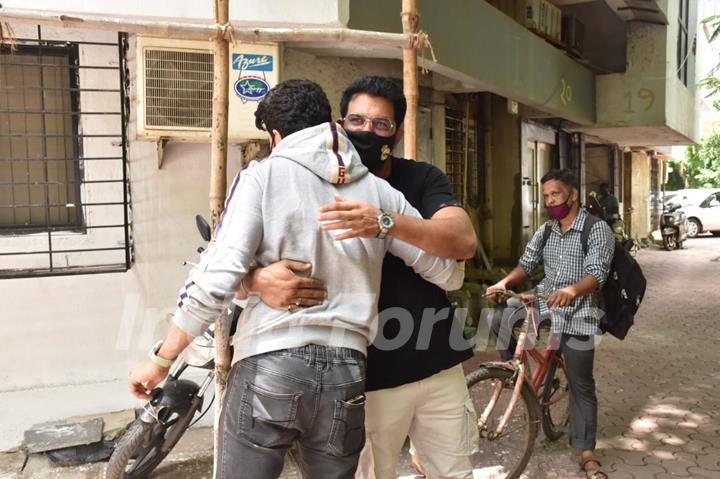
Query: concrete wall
[[322, 12], [598, 161], [494, 53], [333, 74], [507, 208], [69, 342], [640, 199], [649, 93], [636, 97]]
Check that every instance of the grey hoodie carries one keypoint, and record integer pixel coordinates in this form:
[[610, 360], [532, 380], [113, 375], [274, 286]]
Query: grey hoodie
[[272, 214]]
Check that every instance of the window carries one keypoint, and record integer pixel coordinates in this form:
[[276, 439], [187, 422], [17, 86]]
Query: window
[[655, 205], [64, 197], [463, 153], [39, 186], [683, 51], [711, 200]]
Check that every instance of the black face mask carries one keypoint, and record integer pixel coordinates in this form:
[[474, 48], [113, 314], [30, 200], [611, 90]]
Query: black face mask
[[373, 149]]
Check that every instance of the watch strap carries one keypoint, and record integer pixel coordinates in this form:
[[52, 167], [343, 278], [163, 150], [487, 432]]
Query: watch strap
[[166, 363], [383, 230]]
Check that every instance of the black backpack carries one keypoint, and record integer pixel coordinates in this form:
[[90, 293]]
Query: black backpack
[[624, 289]]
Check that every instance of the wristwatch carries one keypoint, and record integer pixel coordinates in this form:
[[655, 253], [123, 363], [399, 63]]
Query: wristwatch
[[166, 363], [386, 223]]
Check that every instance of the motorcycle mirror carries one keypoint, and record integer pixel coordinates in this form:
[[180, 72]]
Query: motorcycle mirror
[[203, 227]]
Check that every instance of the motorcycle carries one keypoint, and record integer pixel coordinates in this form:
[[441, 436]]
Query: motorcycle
[[673, 227], [629, 244], [172, 407], [615, 222]]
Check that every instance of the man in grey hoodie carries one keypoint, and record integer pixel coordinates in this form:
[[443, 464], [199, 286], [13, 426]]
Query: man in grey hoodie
[[298, 375]]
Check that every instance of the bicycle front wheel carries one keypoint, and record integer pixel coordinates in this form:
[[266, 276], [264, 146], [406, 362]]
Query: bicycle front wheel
[[505, 454], [144, 446], [555, 404]]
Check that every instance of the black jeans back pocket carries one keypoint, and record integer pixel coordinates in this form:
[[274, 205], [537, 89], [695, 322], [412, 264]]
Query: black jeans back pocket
[[267, 418], [347, 435]]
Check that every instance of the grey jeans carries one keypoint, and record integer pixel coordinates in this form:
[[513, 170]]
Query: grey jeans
[[313, 395]]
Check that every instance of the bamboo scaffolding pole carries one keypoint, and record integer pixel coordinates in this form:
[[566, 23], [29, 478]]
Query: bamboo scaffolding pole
[[410, 21], [218, 186], [203, 31]]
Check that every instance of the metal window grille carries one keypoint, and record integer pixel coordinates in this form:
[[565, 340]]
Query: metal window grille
[[655, 194], [463, 164], [64, 191]]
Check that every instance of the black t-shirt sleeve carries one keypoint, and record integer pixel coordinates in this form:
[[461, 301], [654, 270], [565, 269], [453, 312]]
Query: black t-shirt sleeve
[[437, 193]]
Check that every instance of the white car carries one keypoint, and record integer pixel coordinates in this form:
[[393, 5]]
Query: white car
[[702, 210]]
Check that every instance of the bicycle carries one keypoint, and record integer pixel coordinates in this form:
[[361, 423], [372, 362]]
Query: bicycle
[[512, 397]]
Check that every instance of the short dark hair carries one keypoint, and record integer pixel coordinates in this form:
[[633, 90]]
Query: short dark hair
[[564, 176], [376, 86], [291, 106]]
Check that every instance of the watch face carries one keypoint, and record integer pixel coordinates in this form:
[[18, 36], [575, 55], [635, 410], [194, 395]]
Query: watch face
[[387, 222]]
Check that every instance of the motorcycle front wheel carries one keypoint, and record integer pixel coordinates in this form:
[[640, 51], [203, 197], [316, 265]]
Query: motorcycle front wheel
[[670, 242], [144, 446]]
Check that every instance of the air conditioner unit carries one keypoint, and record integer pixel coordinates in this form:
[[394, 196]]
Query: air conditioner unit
[[573, 35], [544, 18], [175, 88]]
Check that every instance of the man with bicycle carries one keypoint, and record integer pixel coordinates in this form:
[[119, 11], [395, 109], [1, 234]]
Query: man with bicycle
[[571, 279]]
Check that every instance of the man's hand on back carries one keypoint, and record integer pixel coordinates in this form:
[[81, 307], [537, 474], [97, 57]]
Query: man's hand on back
[[279, 287], [358, 217]]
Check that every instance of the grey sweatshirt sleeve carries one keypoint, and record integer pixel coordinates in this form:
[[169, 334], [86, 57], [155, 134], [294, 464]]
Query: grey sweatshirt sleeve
[[448, 274], [211, 285]]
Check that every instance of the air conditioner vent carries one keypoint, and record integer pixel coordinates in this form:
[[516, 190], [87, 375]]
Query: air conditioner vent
[[178, 88], [175, 88]]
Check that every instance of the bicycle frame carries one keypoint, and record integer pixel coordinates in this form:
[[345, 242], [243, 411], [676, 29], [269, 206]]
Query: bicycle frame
[[521, 366]]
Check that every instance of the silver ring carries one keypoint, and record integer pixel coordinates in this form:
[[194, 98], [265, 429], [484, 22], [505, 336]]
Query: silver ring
[[297, 303]]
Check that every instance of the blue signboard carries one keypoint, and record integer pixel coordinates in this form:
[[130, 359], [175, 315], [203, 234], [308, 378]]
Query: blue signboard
[[251, 62], [251, 88]]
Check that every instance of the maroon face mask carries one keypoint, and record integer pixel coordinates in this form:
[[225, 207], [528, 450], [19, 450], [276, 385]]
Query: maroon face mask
[[558, 212]]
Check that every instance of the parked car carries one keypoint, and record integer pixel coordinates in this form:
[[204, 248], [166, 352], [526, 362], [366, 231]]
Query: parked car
[[686, 197], [668, 196], [702, 210]]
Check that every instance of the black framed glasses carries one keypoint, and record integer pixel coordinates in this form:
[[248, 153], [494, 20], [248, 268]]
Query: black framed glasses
[[381, 125]]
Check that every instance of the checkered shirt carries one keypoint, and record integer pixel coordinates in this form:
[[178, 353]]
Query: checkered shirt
[[566, 264]]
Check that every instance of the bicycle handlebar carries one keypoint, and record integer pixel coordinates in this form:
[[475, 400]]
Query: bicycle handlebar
[[520, 296]]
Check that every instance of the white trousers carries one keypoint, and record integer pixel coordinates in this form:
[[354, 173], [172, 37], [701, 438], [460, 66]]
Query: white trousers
[[436, 413]]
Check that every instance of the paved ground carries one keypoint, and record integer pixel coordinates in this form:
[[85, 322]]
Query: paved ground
[[658, 389]]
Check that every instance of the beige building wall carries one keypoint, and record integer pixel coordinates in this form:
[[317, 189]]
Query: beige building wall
[[638, 174], [506, 211], [88, 330]]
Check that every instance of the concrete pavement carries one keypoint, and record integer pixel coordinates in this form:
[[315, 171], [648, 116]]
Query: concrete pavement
[[659, 404]]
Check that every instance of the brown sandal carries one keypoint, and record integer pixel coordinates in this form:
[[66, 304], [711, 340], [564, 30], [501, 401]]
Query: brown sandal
[[592, 473]]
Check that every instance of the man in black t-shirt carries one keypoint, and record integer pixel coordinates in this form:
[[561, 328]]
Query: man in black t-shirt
[[415, 382]]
